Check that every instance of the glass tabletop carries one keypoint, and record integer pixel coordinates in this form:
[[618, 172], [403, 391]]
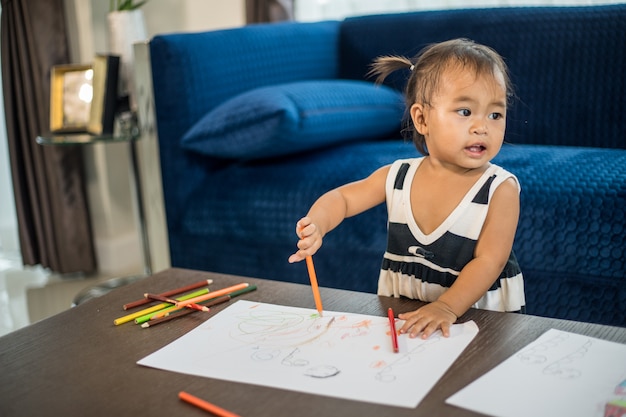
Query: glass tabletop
[[127, 129], [82, 139]]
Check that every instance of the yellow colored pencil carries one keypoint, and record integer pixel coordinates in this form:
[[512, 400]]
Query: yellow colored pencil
[[158, 307]]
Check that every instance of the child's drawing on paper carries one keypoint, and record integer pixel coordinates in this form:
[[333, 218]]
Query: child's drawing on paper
[[282, 336], [340, 354], [560, 374]]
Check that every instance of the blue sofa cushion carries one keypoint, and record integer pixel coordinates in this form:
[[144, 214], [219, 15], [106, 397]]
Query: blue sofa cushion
[[294, 117]]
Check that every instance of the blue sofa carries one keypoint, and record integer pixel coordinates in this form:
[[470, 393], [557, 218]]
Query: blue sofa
[[254, 123]]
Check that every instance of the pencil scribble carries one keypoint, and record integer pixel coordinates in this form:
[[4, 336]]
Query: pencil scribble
[[536, 355], [563, 368], [261, 355], [315, 371], [322, 371], [272, 328], [292, 360], [387, 374], [278, 335]]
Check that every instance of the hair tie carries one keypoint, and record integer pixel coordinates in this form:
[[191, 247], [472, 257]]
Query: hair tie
[[412, 67]]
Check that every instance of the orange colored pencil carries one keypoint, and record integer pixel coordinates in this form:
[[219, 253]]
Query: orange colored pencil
[[212, 294], [314, 286], [205, 405], [313, 278]]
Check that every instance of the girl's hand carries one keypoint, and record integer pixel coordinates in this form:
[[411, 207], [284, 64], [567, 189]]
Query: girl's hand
[[310, 239], [427, 319]]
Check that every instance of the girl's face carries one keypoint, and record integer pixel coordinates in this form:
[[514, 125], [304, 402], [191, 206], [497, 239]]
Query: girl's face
[[465, 122]]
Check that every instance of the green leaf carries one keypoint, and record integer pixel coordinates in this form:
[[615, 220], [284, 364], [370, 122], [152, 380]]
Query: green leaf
[[125, 5]]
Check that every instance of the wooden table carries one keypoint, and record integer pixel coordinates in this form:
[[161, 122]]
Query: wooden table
[[78, 363]]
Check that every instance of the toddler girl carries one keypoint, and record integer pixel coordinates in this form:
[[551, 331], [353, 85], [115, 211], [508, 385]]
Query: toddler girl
[[452, 214]]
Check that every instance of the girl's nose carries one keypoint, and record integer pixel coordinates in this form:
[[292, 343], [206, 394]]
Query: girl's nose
[[479, 127]]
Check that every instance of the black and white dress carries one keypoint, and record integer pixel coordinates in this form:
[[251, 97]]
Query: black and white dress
[[422, 266]]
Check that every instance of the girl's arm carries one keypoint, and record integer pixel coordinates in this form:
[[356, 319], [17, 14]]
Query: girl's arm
[[492, 253], [334, 206]]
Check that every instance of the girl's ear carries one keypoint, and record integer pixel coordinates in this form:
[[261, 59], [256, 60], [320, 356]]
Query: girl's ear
[[418, 116]]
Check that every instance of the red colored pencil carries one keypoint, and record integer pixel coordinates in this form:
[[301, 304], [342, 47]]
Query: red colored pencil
[[169, 293], [394, 333]]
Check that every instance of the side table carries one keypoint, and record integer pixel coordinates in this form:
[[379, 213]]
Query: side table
[[128, 133]]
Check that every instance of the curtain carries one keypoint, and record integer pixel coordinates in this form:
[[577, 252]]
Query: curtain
[[48, 181], [261, 11]]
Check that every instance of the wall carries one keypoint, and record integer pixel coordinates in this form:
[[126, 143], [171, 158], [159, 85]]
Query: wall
[[311, 10], [113, 207]]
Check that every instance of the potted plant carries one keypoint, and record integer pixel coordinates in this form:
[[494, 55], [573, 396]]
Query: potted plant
[[126, 26], [125, 5]]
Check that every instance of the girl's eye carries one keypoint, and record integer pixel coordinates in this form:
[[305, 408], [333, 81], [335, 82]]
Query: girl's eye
[[464, 112], [495, 116]]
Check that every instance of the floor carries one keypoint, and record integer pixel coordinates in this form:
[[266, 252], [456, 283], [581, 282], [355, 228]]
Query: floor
[[31, 294]]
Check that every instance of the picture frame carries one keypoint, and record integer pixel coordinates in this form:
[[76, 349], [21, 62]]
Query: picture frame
[[104, 101], [71, 93]]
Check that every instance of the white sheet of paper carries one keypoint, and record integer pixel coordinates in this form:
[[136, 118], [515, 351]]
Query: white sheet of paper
[[560, 374], [340, 355]]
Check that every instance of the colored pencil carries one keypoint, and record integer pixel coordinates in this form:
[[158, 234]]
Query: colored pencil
[[205, 405], [153, 309], [192, 306], [164, 312], [208, 303], [169, 293], [181, 313], [212, 294], [394, 333], [150, 316], [314, 287]]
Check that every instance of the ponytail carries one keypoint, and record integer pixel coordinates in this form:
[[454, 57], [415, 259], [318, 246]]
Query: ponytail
[[385, 65]]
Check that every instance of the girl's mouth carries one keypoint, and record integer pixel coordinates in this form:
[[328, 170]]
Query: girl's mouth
[[476, 149]]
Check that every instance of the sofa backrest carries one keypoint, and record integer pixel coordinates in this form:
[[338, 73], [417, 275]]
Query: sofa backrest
[[194, 72], [567, 63]]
